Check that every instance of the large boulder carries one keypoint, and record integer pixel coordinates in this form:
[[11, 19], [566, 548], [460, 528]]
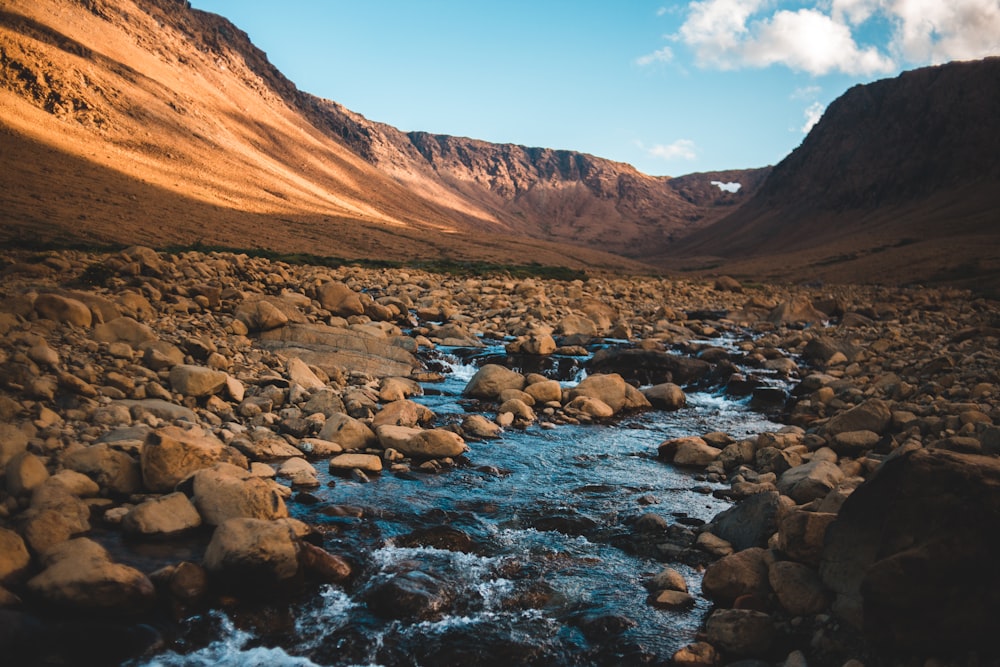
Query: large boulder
[[810, 481], [742, 573], [14, 557], [196, 381], [665, 396], [348, 432], [124, 330], [80, 575], [798, 588], [171, 453], [749, 523], [334, 350], [688, 451], [112, 469], [162, 517], [909, 555], [491, 380], [253, 550], [63, 309], [13, 441], [339, 299], [417, 443], [741, 632], [649, 366], [873, 415], [402, 413], [226, 492], [612, 390]]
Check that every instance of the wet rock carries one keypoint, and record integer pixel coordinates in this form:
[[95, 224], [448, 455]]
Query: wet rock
[[253, 550], [162, 517], [667, 599], [666, 396], [741, 632], [322, 565], [544, 391], [518, 410], [477, 426], [588, 405], [80, 575], [412, 595], [345, 463], [667, 579], [603, 627], [612, 390], [699, 654], [438, 537], [742, 573], [538, 344], [490, 380], [688, 451], [170, 454], [432, 444], [226, 492], [649, 366]]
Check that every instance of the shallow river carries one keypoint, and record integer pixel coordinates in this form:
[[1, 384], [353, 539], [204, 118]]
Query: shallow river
[[545, 575]]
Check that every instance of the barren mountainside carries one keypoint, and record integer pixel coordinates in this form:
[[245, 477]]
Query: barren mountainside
[[900, 180], [148, 121]]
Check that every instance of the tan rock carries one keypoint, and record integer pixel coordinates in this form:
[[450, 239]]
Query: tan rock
[[699, 654], [478, 426], [124, 330], [112, 469], [666, 396], [161, 517], [612, 389], [545, 391], [348, 432], [593, 407], [688, 451], [798, 588], [402, 413], [14, 556], [242, 550], [63, 310], [741, 632], [742, 573], [299, 372], [339, 299], [24, 472], [397, 389], [492, 379], [171, 453], [226, 492], [196, 381], [80, 575], [13, 441], [365, 462], [260, 315]]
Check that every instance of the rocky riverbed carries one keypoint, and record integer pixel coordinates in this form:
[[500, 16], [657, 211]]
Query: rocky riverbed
[[154, 401]]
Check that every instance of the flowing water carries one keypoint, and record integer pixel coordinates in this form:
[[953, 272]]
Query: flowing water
[[542, 572]]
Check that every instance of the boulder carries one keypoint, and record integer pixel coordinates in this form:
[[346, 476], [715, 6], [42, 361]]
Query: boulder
[[162, 517], [749, 523], [688, 451], [873, 415], [80, 575], [590, 406], [299, 373], [196, 381], [253, 550], [612, 390], [334, 350], [13, 441], [402, 413], [63, 310], [112, 469], [810, 481], [14, 556], [741, 573], [544, 391], [124, 330], [170, 454], [226, 492], [798, 588], [348, 432], [339, 299], [411, 595], [665, 396], [648, 366], [397, 388], [260, 315], [435, 444], [908, 555], [490, 380], [478, 426], [24, 472], [345, 463], [801, 534], [698, 654], [740, 632], [798, 310]]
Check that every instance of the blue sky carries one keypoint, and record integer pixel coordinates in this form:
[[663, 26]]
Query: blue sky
[[669, 87]]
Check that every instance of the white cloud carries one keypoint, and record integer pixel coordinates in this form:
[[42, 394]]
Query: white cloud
[[683, 149], [664, 55], [806, 93], [722, 35], [854, 12], [813, 113], [727, 187], [930, 31]]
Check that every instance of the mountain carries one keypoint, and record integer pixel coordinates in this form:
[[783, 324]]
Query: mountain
[[899, 181], [146, 121]]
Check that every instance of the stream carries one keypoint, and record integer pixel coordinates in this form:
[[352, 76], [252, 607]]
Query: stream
[[521, 555]]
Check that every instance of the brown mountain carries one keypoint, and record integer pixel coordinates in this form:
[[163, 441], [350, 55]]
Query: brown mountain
[[145, 121], [899, 181]]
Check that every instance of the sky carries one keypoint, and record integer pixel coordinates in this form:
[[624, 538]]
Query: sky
[[671, 88]]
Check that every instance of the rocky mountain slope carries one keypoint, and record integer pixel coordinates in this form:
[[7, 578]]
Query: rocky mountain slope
[[148, 121], [899, 180]]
